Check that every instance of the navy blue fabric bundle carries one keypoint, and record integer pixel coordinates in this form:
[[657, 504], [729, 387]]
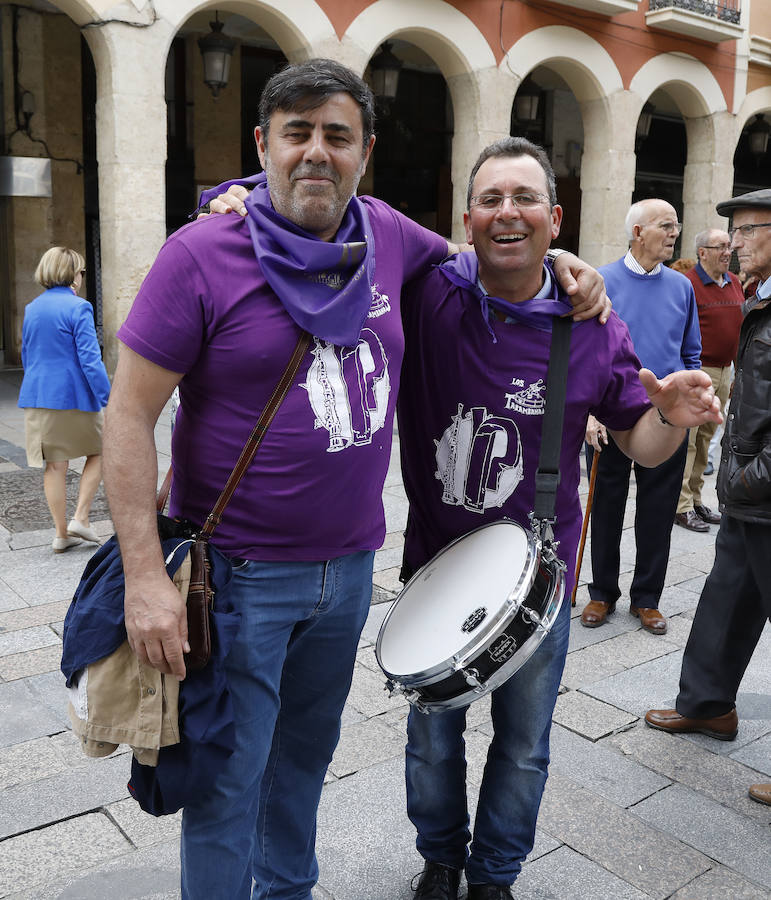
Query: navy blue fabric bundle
[[94, 627]]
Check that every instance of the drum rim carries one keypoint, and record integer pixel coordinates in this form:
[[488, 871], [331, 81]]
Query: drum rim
[[482, 637], [506, 670]]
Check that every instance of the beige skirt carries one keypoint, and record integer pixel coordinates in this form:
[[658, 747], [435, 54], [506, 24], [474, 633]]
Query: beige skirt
[[59, 434]]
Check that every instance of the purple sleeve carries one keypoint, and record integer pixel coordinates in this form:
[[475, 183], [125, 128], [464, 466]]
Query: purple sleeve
[[625, 400], [167, 321], [421, 247]]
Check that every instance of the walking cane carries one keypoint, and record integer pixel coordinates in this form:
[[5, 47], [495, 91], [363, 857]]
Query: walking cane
[[585, 526]]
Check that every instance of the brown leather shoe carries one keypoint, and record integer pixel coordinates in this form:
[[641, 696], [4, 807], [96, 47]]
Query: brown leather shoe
[[691, 521], [650, 619], [723, 728], [596, 612], [761, 793], [706, 514]]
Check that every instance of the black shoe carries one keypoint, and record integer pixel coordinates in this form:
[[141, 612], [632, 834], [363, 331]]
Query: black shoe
[[489, 892], [691, 521], [706, 515], [710, 469], [437, 882]]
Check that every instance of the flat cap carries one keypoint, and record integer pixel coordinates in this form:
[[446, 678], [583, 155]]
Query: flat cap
[[752, 200]]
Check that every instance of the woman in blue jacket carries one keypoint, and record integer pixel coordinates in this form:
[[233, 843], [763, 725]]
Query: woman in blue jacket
[[64, 389]]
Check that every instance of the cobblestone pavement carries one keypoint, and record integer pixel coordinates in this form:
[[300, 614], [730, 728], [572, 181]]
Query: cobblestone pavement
[[629, 813]]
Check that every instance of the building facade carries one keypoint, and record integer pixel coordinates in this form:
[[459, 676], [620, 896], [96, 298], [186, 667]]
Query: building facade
[[109, 130]]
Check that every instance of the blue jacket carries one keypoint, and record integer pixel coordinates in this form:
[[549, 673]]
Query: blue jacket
[[63, 366]]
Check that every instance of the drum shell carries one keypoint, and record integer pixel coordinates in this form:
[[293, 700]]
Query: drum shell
[[497, 651]]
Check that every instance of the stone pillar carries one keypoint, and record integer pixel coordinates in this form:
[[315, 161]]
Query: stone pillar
[[131, 151], [709, 173], [607, 175], [481, 103]]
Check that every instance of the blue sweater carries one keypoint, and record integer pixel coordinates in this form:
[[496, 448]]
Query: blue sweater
[[661, 314], [63, 366]]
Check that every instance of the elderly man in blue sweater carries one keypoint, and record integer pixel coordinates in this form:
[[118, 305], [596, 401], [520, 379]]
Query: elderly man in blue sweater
[[659, 308]]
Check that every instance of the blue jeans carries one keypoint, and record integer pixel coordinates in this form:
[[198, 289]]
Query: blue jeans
[[514, 775], [289, 672]]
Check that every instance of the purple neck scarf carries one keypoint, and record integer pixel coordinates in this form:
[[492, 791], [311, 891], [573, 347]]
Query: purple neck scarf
[[323, 285], [463, 270]]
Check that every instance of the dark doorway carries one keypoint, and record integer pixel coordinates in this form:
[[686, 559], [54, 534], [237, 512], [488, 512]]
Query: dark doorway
[[414, 149]]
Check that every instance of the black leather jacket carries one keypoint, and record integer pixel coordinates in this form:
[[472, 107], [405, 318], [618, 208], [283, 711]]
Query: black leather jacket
[[744, 479]]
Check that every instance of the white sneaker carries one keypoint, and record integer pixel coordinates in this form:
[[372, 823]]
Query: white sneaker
[[77, 529], [62, 544]]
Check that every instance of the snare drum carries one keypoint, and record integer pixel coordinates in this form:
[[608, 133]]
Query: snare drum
[[473, 615]]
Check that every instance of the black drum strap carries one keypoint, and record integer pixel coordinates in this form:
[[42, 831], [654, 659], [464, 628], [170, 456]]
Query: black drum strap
[[547, 478]]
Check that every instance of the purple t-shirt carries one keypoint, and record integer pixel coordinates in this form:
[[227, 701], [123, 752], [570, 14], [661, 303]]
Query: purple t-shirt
[[471, 411], [314, 489]]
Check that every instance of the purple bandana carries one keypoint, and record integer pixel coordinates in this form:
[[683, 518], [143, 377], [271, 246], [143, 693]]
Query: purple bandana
[[463, 270], [323, 285]]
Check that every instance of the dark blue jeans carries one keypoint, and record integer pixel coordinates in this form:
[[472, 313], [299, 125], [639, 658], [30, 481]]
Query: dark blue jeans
[[514, 775], [289, 673]]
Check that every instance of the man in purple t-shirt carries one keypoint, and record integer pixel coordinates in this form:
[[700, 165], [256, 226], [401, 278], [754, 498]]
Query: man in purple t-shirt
[[478, 335], [219, 314]]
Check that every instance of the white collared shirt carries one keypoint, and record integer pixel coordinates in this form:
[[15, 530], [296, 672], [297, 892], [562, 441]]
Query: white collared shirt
[[631, 263]]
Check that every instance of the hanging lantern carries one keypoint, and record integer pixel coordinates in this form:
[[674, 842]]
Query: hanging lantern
[[385, 68], [645, 120], [526, 101], [757, 136], [216, 50]]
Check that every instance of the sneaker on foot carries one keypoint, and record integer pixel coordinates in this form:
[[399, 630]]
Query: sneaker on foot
[[61, 544]]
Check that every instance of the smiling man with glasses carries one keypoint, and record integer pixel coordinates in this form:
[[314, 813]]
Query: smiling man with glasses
[[719, 298], [659, 308], [735, 603]]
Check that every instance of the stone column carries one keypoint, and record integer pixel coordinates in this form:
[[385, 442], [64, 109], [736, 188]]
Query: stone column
[[709, 173], [607, 175], [131, 152], [481, 103]]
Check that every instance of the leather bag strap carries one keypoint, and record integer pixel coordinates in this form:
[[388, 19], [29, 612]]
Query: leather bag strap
[[252, 445]]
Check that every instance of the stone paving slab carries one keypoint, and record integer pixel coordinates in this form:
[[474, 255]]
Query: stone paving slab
[[366, 843], [716, 777], [756, 755], [25, 639], [721, 884], [142, 829], [618, 840], [9, 598], [49, 692], [150, 874], [46, 577], [651, 685], [22, 718], [600, 768], [56, 850], [364, 744], [614, 655], [35, 804], [368, 694], [589, 717], [567, 875], [28, 616], [713, 829], [33, 662]]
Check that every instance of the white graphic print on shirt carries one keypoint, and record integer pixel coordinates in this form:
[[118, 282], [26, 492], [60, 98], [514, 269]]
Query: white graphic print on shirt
[[479, 460], [348, 389]]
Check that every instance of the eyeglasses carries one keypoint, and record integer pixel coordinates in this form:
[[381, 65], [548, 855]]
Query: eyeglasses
[[715, 246], [491, 202], [666, 227], [747, 231]]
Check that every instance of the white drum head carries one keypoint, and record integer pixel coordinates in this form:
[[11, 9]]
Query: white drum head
[[477, 572]]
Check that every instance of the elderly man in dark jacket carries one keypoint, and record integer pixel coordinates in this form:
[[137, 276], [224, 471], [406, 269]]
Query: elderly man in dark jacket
[[736, 601]]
